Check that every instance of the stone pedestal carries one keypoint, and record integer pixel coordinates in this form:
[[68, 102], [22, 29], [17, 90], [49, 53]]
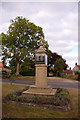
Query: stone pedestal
[[41, 74], [45, 91], [40, 87]]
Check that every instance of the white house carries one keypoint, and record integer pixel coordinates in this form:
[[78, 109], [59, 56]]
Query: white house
[[76, 68]]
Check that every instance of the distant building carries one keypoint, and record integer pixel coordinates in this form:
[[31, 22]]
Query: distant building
[[67, 72], [1, 66], [4, 69], [7, 70], [76, 68]]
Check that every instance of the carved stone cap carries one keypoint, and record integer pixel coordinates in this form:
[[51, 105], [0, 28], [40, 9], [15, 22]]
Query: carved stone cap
[[41, 49], [41, 42]]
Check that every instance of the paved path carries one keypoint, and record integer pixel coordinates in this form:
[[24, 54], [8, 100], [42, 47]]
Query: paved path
[[53, 83]]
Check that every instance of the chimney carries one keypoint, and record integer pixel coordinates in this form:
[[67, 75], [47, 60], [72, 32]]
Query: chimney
[[76, 64]]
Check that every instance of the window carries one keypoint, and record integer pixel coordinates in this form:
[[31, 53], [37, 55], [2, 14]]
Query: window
[[39, 58]]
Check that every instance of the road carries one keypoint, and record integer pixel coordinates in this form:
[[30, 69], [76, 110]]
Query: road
[[50, 83]]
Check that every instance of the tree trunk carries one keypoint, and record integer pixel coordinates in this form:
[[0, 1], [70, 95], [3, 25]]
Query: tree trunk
[[17, 71]]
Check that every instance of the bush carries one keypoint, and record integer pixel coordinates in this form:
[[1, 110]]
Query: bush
[[78, 78], [9, 97], [35, 99], [62, 97], [12, 96], [22, 98], [43, 99], [27, 72]]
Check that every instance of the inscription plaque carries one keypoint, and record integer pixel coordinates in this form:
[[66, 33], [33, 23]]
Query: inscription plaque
[[40, 59]]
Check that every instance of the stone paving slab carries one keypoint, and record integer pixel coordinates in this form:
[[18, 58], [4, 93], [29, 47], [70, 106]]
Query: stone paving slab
[[34, 90]]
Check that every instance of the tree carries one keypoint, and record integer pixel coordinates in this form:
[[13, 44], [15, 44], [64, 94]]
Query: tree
[[21, 40], [59, 65], [78, 73], [52, 57]]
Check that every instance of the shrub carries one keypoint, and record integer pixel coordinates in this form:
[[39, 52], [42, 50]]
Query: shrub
[[12, 96], [62, 97], [22, 98], [28, 72], [78, 78], [35, 99]]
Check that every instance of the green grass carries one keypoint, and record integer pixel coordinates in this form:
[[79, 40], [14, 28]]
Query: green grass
[[19, 111], [28, 78], [20, 77], [8, 88], [12, 110]]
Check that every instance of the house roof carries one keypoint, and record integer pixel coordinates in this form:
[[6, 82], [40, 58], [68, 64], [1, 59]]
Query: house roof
[[78, 66], [1, 64], [67, 71]]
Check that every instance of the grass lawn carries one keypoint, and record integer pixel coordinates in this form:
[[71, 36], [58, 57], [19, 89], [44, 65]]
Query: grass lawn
[[19, 111], [28, 78]]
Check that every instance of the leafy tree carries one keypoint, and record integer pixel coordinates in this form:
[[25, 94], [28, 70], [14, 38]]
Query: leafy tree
[[21, 40], [59, 65], [12, 65], [52, 58]]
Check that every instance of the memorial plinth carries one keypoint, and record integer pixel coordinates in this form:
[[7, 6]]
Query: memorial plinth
[[40, 87], [41, 74]]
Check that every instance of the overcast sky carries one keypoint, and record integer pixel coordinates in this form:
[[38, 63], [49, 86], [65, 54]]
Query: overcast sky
[[59, 21]]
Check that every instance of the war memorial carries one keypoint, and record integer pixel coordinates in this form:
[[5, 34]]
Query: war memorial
[[40, 94], [40, 87]]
